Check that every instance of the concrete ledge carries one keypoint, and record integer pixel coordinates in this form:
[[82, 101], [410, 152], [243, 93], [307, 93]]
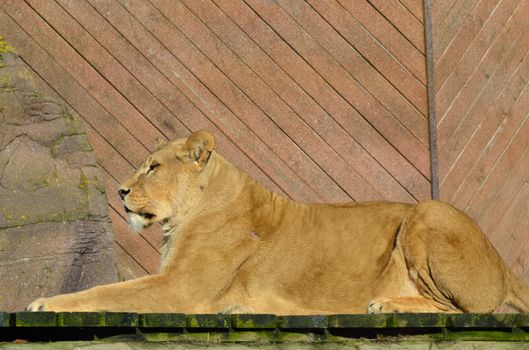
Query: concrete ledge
[[260, 321], [261, 329]]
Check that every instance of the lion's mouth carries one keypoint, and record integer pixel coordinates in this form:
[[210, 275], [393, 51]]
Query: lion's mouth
[[143, 214]]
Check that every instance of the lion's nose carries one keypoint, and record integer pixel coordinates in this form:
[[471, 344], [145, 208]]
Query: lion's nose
[[123, 192]]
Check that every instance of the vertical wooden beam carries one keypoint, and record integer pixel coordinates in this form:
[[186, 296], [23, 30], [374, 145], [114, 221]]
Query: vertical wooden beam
[[432, 121]]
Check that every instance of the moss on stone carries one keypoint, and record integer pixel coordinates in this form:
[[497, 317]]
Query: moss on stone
[[155, 320], [120, 319], [6, 319], [243, 321], [422, 320], [75, 126], [35, 184], [5, 83], [80, 319], [5, 47], [208, 321], [319, 321], [7, 215], [84, 182], [358, 321], [36, 319]]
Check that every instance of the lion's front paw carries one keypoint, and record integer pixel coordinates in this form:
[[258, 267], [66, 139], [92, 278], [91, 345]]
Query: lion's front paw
[[382, 306], [38, 305]]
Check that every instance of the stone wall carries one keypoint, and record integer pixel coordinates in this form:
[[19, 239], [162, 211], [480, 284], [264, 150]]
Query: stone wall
[[55, 232]]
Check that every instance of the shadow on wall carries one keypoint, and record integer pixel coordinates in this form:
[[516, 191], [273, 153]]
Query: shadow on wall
[[55, 232]]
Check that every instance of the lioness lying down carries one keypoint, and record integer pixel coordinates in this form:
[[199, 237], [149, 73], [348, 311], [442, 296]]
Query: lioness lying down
[[230, 245]]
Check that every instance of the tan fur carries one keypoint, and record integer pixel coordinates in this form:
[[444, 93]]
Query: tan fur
[[230, 245]]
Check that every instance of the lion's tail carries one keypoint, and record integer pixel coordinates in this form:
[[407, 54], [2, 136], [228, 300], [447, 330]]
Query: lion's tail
[[518, 295]]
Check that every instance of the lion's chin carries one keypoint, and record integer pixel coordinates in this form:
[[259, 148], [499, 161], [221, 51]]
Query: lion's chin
[[138, 223]]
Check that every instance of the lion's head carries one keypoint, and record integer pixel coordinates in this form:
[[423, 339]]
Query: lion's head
[[168, 181]]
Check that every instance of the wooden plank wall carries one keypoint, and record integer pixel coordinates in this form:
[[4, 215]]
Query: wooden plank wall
[[481, 50], [322, 101]]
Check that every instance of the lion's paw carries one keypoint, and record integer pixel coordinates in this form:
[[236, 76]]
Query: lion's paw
[[38, 305], [382, 306]]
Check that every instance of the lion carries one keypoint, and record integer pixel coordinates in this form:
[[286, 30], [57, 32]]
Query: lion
[[232, 246]]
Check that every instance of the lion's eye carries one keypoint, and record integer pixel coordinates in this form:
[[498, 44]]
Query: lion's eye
[[153, 167]]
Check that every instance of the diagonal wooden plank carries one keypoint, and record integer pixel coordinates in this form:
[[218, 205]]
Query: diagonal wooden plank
[[466, 33], [504, 179], [403, 20], [128, 268], [482, 87], [248, 111], [491, 138], [342, 51], [446, 28], [407, 142], [193, 89], [306, 107], [269, 102], [446, 93], [174, 46], [362, 40], [393, 41], [321, 91], [499, 119], [135, 245], [415, 7], [440, 10], [176, 111], [509, 231]]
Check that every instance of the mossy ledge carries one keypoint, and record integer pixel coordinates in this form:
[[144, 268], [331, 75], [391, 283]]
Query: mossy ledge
[[49, 326]]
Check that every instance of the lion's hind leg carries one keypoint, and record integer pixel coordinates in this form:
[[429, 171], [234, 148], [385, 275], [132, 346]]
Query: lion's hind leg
[[415, 304], [451, 261]]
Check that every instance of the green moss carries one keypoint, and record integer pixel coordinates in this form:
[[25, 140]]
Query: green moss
[[75, 126], [35, 183], [120, 319], [291, 322], [36, 319], [152, 320], [58, 140], [25, 75], [5, 47], [207, 321], [242, 321], [416, 320], [78, 319], [84, 182], [5, 83], [358, 321], [8, 215], [487, 320], [5, 319]]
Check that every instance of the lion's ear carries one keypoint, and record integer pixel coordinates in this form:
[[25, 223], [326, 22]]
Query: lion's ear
[[160, 142], [199, 145]]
